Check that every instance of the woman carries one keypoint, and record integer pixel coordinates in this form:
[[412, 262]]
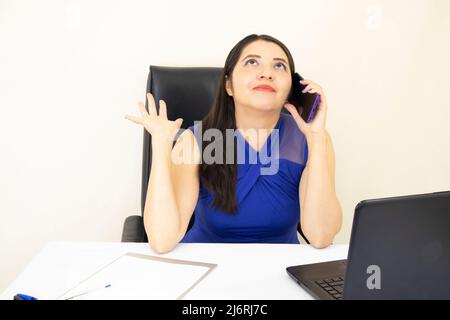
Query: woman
[[235, 202]]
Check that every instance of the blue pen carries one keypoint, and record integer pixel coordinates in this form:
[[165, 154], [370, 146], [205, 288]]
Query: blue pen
[[21, 296]]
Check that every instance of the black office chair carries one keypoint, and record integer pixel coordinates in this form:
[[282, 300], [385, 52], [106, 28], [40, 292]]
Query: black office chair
[[189, 93]]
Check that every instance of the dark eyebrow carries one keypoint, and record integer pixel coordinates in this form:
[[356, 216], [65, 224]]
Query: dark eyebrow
[[257, 56]]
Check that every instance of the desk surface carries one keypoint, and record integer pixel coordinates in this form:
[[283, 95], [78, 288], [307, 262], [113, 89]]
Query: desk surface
[[244, 271]]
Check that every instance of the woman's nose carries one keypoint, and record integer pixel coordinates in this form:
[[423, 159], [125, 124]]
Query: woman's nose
[[261, 76]]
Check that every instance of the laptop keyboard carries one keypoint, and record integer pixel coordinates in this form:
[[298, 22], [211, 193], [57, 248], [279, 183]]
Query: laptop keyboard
[[334, 286]]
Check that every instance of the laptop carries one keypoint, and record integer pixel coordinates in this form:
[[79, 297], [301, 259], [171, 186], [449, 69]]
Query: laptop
[[399, 249]]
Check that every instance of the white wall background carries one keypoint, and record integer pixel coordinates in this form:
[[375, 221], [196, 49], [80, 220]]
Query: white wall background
[[70, 70]]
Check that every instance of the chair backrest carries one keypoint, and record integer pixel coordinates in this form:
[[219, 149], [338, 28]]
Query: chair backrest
[[189, 93]]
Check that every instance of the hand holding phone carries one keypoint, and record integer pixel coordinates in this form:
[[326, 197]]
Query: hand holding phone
[[306, 103]]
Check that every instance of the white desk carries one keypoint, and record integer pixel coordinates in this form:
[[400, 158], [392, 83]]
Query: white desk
[[244, 271]]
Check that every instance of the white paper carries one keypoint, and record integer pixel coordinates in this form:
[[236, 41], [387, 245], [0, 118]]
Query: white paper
[[140, 277]]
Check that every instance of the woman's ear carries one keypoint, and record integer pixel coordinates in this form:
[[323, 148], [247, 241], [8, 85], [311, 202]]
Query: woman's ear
[[228, 86]]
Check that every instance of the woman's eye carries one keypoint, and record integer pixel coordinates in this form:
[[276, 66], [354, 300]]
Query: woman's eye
[[278, 64], [281, 64]]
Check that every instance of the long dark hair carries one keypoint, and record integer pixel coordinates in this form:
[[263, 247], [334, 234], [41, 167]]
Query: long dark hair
[[220, 178]]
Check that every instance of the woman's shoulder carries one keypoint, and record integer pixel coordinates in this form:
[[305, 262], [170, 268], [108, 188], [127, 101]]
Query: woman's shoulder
[[196, 130], [184, 150]]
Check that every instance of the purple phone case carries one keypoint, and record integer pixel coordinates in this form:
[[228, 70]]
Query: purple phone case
[[313, 110]]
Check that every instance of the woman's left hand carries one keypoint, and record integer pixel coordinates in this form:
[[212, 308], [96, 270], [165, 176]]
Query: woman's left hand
[[317, 125]]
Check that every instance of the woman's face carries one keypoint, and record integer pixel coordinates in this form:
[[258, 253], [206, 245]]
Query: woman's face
[[266, 65]]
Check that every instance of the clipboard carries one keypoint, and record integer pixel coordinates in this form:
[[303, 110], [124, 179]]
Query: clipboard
[[134, 276]]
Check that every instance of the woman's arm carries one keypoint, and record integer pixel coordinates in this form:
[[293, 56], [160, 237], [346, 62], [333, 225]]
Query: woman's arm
[[161, 217], [172, 192], [321, 212], [173, 188]]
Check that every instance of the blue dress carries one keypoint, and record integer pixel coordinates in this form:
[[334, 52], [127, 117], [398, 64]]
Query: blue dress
[[267, 192]]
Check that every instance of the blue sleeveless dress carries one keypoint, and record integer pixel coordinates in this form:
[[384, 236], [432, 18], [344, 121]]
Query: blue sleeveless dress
[[267, 192]]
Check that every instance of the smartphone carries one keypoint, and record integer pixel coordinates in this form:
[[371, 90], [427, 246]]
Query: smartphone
[[306, 103]]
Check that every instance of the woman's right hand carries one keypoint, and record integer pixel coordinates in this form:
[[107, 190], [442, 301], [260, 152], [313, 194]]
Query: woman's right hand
[[161, 129]]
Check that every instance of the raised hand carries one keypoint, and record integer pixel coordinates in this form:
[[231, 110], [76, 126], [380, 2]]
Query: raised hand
[[161, 129]]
